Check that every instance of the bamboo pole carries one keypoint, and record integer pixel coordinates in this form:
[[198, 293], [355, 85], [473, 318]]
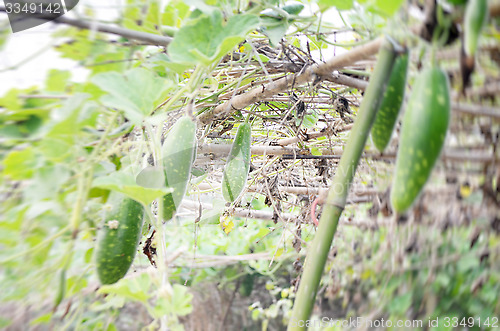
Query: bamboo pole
[[334, 205]]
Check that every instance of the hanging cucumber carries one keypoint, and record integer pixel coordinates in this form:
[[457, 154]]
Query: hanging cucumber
[[61, 291], [118, 238], [391, 104], [476, 13], [423, 132], [179, 151], [238, 164]]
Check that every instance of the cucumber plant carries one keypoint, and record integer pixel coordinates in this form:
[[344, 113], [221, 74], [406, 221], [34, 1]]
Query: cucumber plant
[[118, 238], [178, 154], [238, 164], [391, 104], [423, 132]]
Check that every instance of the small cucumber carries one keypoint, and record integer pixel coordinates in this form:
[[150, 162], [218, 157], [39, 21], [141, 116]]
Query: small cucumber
[[238, 164], [476, 13], [61, 291], [118, 238], [391, 104], [423, 132], [179, 152]]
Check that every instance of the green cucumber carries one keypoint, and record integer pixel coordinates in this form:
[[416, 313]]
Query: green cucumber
[[118, 238], [391, 104], [238, 164], [179, 152], [423, 132], [61, 291], [476, 13]]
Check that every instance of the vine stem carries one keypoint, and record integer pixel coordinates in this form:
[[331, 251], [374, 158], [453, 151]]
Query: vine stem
[[337, 196], [47, 241], [85, 181]]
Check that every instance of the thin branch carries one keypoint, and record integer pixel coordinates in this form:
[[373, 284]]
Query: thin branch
[[313, 135], [476, 110], [268, 215], [148, 38], [42, 96], [471, 109], [449, 154]]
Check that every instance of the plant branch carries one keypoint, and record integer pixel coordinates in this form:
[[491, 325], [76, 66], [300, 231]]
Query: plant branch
[[148, 38], [449, 154], [309, 74]]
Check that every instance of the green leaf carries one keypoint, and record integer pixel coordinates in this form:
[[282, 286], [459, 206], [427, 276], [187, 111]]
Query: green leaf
[[57, 80], [4, 322], [47, 182], [467, 263], [68, 119], [294, 8], [145, 18], [339, 4], [125, 183], [162, 60], [174, 13], [389, 7], [135, 92], [179, 303], [316, 151], [206, 39], [21, 129], [20, 165], [274, 29], [151, 177], [56, 150], [135, 288], [4, 35], [309, 120], [11, 100], [110, 61], [44, 319], [400, 304], [82, 46]]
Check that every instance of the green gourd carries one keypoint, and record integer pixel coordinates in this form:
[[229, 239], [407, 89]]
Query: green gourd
[[118, 238], [391, 104], [423, 133], [476, 14], [178, 154], [238, 164]]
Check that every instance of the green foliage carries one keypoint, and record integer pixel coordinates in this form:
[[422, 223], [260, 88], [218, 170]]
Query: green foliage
[[70, 143], [339, 4], [205, 39], [135, 92], [126, 184]]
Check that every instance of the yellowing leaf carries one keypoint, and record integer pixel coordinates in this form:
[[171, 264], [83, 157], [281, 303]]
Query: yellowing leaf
[[465, 190], [227, 225]]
